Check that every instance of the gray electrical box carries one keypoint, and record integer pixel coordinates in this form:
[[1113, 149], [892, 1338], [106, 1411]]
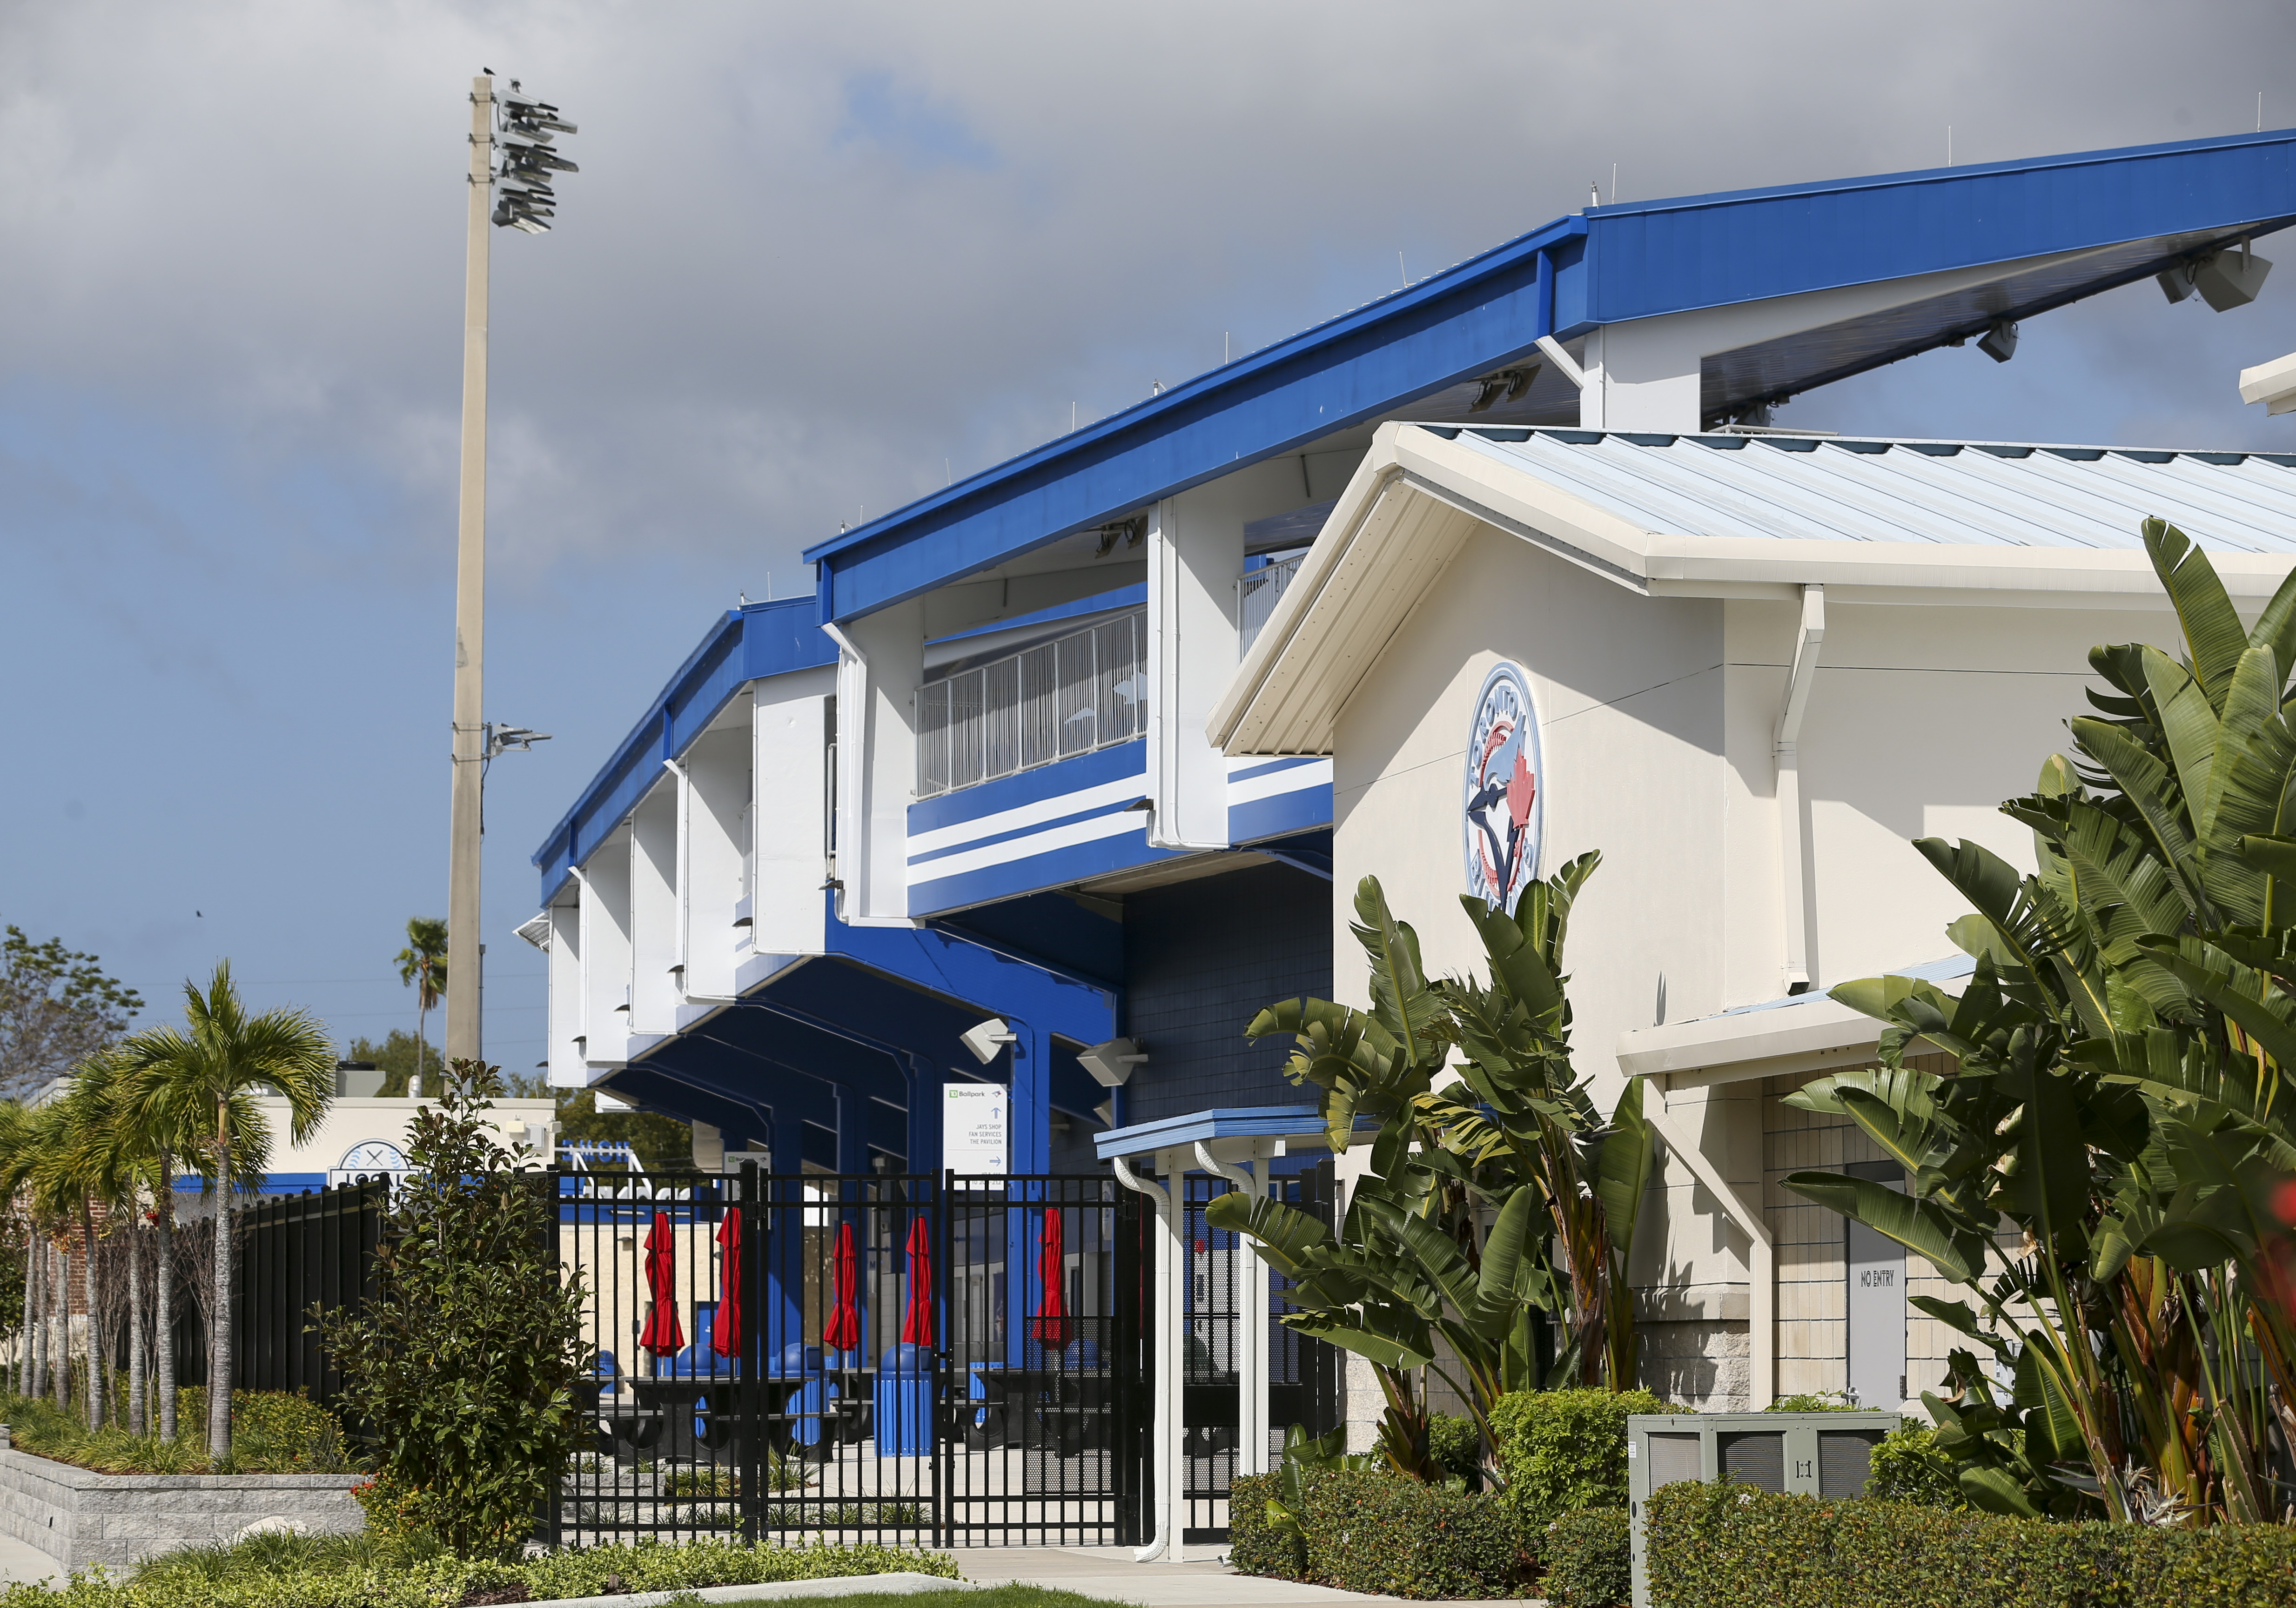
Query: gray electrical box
[[1820, 1453]]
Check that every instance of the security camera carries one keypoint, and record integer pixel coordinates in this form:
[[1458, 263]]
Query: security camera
[[985, 1038], [1111, 1063]]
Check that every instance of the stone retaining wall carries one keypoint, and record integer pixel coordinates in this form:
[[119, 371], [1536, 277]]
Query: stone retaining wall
[[82, 1518]]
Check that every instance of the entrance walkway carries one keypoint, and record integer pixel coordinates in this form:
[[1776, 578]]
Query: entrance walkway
[[1110, 1573], [20, 1561]]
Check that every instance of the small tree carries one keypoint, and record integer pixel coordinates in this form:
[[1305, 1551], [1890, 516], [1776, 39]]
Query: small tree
[[57, 1008], [464, 1367], [215, 1064]]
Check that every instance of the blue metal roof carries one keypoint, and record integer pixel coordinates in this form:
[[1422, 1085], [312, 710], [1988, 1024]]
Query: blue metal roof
[[1782, 488], [1230, 1122], [2137, 208], [756, 639]]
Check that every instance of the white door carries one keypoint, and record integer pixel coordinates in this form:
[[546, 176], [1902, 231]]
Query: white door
[[1877, 1306]]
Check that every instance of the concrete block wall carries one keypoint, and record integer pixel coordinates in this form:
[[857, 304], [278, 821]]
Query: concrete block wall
[[81, 1518]]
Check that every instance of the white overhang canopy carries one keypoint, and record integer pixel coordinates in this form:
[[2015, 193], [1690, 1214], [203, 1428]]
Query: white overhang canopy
[[1735, 515], [1798, 1034]]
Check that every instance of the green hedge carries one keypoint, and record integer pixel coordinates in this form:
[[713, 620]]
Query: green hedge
[[1588, 1561], [1393, 1537], [1562, 1450], [1381, 1534], [1254, 1545], [1731, 1546]]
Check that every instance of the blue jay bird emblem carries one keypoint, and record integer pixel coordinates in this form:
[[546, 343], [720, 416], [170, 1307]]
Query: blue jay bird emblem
[[1503, 806]]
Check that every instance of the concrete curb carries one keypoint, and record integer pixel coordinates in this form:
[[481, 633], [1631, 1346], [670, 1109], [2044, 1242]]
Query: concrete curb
[[901, 1584]]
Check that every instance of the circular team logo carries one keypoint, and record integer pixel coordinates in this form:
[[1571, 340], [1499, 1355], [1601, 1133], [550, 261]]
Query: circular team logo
[[1503, 808]]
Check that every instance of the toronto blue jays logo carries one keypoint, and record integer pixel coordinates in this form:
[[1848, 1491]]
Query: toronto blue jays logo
[[1503, 808]]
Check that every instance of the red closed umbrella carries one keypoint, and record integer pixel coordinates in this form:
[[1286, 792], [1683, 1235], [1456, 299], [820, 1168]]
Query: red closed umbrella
[[663, 1333], [1052, 1325], [726, 1336], [842, 1332], [917, 1317]]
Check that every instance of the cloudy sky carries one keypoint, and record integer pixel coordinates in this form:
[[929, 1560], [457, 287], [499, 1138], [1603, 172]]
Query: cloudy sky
[[818, 259]]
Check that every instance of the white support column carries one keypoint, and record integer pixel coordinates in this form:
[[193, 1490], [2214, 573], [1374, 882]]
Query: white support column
[[1195, 554], [717, 792], [1247, 1171], [605, 947], [653, 911], [790, 813], [1744, 1209], [564, 1050], [881, 664]]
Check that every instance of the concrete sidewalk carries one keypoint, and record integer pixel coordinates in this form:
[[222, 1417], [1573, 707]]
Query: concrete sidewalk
[[20, 1561], [1109, 1572]]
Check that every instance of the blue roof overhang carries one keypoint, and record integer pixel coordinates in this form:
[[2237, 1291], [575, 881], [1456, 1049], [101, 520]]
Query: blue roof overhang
[[2127, 213], [756, 640], [1231, 1122]]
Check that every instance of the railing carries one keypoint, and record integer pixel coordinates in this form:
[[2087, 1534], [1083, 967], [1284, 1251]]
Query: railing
[[1255, 594], [1084, 691]]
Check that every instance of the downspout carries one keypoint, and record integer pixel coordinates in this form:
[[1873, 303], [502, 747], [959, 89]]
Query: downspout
[[684, 921], [1792, 849], [1761, 1255], [1164, 1430], [1252, 1317], [850, 878]]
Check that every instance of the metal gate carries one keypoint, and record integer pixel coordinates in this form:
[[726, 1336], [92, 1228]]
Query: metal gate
[[1303, 1374], [901, 1358]]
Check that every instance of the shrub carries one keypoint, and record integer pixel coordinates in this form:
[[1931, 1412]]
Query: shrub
[[462, 1369], [1588, 1561], [273, 1432], [1814, 1401], [1454, 1442], [1732, 1546], [1391, 1535], [1910, 1466], [1255, 1545], [286, 1570], [1564, 1449]]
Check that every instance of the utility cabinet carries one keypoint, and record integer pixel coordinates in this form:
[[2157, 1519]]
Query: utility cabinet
[[1820, 1454]]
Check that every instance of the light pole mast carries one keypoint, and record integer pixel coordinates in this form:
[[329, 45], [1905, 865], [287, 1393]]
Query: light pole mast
[[517, 197], [464, 1036]]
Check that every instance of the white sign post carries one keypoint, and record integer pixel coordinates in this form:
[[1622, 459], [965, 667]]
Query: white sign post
[[974, 1127]]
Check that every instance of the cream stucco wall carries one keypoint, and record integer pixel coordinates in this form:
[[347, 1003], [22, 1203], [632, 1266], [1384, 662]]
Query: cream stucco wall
[[352, 1120], [1658, 718]]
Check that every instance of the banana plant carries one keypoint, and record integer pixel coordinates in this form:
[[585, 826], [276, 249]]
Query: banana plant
[[1496, 1202], [2098, 1172]]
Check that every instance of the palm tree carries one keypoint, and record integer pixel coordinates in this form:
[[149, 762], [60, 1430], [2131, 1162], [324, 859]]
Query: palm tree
[[424, 965], [163, 1125], [218, 1061], [15, 1169]]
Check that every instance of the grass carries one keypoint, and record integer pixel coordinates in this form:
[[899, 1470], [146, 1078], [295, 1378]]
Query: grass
[[273, 1432]]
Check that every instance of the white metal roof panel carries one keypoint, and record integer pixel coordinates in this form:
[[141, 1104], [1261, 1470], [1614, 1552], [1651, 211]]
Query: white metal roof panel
[[1941, 493]]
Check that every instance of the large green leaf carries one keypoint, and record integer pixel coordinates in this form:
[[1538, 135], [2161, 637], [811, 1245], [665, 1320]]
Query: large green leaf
[[2213, 634], [1623, 1171], [1920, 1225]]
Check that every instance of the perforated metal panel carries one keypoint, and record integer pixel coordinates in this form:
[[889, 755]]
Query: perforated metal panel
[[1845, 1461], [1756, 1459], [1673, 1457]]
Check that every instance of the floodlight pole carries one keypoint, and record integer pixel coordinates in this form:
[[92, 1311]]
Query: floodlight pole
[[465, 1035]]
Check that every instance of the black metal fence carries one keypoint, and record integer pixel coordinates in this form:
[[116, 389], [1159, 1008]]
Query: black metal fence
[[953, 1361], [294, 1253], [888, 1356]]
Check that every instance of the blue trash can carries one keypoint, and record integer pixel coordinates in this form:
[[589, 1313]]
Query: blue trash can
[[807, 1404], [905, 1402]]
